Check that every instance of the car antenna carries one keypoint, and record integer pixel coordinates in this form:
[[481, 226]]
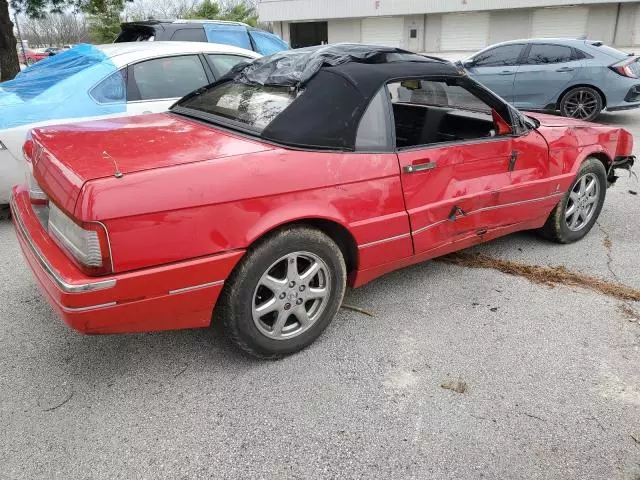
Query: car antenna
[[117, 173]]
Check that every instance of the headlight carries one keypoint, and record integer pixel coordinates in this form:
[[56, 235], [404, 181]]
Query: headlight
[[85, 245]]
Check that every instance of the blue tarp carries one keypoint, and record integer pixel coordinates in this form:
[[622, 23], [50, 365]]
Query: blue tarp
[[62, 86], [267, 43], [235, 35]]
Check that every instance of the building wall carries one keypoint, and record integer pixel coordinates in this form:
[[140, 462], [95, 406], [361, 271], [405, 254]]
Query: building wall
[[604, 23], [344, 30], [627, 21], [432, 33], [299, 10], [509, 25]]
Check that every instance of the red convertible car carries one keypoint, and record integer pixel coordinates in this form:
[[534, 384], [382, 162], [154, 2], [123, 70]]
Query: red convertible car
[[255, 200]]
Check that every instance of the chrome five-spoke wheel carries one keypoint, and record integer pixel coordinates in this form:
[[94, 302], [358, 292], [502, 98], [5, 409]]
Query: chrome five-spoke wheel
[[582, 202], [291, 295]]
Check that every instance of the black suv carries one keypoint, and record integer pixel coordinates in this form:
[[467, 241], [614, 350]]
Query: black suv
[[212, 31]]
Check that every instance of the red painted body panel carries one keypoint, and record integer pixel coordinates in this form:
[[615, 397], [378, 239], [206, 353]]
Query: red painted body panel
[[143, 297], [193, 198]]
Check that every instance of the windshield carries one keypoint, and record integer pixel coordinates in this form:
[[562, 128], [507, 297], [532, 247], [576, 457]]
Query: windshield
[[255, 106]]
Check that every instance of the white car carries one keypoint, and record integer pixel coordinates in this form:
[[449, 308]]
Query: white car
[[90, 82]]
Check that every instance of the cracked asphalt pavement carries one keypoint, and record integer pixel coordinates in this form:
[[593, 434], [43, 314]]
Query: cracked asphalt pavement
[[551, 375]]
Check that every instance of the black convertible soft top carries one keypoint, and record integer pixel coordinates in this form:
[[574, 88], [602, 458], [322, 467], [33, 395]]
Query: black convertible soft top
[[337, 83]]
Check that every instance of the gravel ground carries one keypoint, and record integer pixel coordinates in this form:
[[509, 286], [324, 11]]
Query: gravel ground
[[553, 385]]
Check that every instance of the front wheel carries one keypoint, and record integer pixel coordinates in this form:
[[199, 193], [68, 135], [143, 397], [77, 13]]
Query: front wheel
[[284, 293], [579, 209], [583, 103]]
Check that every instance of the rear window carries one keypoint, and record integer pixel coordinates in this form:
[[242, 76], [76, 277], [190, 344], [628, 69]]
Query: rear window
[[135, 34], [189, 35], [255, 106]]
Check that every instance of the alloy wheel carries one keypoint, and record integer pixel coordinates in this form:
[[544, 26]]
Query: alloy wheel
[[582, 202], [291, 295], [581, 104]]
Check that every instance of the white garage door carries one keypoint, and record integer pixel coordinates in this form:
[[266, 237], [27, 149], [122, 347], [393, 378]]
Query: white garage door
[[385, 31], [464, 31], [560, 22]]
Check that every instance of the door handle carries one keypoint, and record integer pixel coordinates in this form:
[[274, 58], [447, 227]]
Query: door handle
[[419, 167], [564, 69], [512, 160], [507, 72]]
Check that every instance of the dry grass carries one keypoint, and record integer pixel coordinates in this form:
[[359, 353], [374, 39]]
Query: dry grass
[[544, 275]]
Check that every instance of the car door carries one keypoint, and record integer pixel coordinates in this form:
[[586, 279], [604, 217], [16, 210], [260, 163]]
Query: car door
[[453, 158], [154, 85], [546, 72], [496, 68]]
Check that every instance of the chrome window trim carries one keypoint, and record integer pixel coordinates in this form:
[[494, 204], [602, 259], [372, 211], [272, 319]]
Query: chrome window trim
[[48, 268]]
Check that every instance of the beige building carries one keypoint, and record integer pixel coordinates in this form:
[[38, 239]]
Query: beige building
[[449, 26]]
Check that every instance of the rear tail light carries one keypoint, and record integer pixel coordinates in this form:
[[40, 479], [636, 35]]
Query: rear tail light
[[86, 243], [36, 194], [626, 68]]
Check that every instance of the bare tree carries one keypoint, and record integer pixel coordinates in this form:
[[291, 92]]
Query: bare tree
[[169, 9], [160, 9], [55, 29]]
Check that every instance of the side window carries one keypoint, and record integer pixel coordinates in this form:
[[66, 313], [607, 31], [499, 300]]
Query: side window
[[428, 112], [112, 89], [374, 132], [543, 54], [267, 43], [499, 56], [189, 35], [222, 63], [168, 77]]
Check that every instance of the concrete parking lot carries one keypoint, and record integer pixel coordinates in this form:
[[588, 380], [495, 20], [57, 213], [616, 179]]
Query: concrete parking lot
[[552, 378]]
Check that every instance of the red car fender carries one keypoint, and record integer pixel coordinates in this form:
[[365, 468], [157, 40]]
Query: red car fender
[[296, 213]]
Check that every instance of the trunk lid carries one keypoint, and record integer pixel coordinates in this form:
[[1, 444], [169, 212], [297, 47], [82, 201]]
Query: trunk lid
[[67, 156]]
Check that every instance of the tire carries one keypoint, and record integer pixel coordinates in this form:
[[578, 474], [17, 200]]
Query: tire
[[583, 103], [263, 302], [562, 226]]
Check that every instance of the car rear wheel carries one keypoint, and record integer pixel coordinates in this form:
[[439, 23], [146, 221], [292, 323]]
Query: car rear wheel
[[584, 103], [579, 209], [284, 293]]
